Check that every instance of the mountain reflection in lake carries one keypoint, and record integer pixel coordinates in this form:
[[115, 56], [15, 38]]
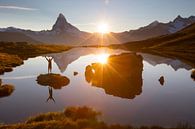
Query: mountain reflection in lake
[[121, 76], [128, 92]]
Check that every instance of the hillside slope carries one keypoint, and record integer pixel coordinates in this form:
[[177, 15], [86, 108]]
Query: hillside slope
[[16, 37], [185, 37], [178, 45], [63, 32]]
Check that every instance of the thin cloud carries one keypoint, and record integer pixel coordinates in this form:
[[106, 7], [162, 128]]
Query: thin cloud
[[107, 1], [17, 8]]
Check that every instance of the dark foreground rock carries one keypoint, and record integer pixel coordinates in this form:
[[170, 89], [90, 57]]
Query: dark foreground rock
[[6, 90]]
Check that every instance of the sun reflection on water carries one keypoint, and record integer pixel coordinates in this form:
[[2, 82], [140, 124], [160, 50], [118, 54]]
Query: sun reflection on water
[[102, 58]]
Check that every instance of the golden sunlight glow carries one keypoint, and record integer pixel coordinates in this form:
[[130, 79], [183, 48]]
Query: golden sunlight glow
[[102, 58], [103, 28]]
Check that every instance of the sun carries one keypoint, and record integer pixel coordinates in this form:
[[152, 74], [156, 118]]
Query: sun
[[103, 28], [102, 58]]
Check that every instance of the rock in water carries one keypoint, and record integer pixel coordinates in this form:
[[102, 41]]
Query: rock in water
[[75, 73], [6, 90], [54, 80], [161, 80]]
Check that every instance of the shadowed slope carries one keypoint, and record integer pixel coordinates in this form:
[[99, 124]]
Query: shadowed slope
[[16, 37], [179, 45]]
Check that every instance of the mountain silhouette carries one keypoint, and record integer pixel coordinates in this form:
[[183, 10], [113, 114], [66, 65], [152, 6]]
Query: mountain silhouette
[[61, 25], [157, 28], [64, 32]]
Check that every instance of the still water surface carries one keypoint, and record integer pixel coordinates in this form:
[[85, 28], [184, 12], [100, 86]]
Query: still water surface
[[126, 91]]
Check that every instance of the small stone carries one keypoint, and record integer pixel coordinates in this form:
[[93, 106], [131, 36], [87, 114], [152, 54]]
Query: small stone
[[161, 80], [75, 73]]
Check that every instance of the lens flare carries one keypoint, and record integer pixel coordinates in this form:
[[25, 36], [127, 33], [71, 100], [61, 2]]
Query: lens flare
[[102, 58], [103, 28]]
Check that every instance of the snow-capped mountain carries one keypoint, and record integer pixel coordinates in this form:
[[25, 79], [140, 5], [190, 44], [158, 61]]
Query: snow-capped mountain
[[180, 23], [63, 32], [157, 28]]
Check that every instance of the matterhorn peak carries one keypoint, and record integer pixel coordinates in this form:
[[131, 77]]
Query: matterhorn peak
[[61, 17], [60, 23]]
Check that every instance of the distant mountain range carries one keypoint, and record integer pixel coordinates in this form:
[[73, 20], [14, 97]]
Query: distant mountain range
[[157, 29], [182, 39], [179, 45], [63, 32]]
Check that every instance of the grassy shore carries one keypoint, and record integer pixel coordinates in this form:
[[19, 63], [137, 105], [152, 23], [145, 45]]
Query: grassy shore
[[179, 45], [76, 118], [13, 54], [184, 52]]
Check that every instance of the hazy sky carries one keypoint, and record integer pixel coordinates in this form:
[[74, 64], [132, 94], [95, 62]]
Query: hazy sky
[[121, 15]]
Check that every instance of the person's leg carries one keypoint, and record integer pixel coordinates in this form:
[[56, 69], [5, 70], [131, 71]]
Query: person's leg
[[48, 69]]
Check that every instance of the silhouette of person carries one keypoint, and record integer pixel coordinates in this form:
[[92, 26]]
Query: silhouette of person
[[50, 94], [49, 63]]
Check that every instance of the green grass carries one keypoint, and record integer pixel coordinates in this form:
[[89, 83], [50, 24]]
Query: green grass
[[13, 54], [25, 50], [56, 81], [180, 45], [7, 62], [76, 118]]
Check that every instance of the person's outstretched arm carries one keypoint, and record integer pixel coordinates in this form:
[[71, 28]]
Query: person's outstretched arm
[[51, 58], [46, 58]]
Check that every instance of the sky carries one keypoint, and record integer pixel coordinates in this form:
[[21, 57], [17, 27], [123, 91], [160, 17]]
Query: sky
[[120, 15]]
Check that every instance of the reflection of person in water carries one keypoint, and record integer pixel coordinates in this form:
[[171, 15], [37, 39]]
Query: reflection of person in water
[[52, 81], [49, 63], [50, 94]]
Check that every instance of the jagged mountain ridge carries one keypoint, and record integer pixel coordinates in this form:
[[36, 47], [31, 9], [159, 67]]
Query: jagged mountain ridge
[[157, 28], [63, 32]]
